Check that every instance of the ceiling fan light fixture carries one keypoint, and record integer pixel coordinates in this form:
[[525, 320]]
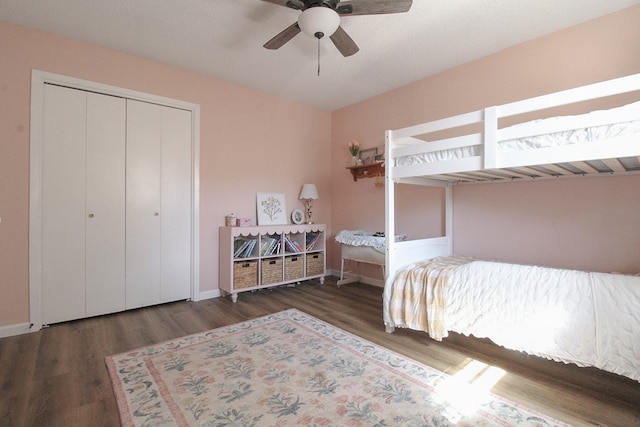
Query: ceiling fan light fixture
[[319, 21]]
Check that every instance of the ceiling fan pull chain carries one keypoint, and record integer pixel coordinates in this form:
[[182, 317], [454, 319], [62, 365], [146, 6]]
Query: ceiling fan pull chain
[[318, 56]]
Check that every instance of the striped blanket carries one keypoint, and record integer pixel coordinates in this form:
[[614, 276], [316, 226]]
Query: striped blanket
[[416, 297]]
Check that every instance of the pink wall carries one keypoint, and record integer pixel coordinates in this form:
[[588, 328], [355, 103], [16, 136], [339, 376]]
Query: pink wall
[[585, 223], [593, 223], [247, 144]]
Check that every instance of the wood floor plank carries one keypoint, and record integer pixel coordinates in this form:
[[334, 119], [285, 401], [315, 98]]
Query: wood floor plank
[[17, 365], [58, 377]]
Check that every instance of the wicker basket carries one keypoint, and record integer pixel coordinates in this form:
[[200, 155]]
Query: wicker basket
[[271, 271], [315, 264], [245, 274], [293, 267]]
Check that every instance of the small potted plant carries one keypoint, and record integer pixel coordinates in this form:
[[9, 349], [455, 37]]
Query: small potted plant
[[354, 149]]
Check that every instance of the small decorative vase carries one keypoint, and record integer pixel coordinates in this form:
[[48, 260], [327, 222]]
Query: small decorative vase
[[354, 160]]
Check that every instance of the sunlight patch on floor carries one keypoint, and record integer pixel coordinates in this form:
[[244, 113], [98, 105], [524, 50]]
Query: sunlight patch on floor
[[464, 392]]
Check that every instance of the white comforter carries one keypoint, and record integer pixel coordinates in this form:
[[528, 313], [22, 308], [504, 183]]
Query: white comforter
[[590, 319]]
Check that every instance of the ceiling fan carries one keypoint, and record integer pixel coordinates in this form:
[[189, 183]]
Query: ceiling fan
[[321, 18]]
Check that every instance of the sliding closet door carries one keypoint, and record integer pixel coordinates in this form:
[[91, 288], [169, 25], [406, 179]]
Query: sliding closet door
[[82, 204], [158, 254]]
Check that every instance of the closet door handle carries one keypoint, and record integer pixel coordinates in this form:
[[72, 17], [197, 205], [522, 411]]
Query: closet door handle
[[91, 215], [156, 214]]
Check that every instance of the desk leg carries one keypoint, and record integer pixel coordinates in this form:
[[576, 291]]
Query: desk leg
[[354, 277]]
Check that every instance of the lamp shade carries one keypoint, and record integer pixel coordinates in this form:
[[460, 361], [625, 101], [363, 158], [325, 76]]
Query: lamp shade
[[309, 192], [319, 21]]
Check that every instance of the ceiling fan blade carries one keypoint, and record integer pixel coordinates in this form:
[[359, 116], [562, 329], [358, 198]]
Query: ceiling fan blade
[[293, 4], [344, 43], [373, 7], [283, 37]]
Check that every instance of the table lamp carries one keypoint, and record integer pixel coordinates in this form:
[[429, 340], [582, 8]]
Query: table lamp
[[308, 194]]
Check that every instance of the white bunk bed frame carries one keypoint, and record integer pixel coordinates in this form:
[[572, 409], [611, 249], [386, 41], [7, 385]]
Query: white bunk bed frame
[[491, 165]]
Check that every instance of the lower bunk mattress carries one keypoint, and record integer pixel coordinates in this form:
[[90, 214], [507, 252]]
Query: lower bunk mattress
[[586, 318]]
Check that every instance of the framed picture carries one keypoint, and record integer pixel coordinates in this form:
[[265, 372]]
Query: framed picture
[[272, 208], [297, 216], [368, 155]]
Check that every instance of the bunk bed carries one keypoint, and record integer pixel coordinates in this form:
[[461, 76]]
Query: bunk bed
[[427, 288]]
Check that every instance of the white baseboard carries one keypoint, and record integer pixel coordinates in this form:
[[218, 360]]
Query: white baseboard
[[11, 330], [208, 294], [23, 328]]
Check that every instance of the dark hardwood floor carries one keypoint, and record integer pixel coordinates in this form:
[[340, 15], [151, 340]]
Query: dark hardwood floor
[[57, 376]]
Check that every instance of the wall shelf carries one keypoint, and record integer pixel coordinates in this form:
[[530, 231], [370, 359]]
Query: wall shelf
[[371, 170]]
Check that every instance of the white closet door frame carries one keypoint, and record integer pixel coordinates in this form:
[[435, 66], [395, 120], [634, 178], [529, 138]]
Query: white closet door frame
[[38, 80]]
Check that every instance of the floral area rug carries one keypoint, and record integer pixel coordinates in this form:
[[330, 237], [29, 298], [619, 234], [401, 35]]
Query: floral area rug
[[291, 369]]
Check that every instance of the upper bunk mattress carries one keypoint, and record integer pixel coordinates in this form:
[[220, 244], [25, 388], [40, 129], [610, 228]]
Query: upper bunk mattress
[[616, 121]]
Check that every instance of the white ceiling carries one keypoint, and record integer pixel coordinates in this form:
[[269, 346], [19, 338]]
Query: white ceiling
[[224, 38]]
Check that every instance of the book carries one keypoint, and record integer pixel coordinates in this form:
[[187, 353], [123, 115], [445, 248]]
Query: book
[[269, 245], [239, 245], [266, 245], [249, 249], [292, 245], [243, 247], [275, 249], [312, 240]]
